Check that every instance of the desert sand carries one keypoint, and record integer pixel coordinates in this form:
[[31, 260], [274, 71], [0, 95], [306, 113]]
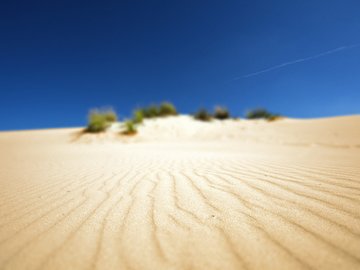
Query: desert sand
[[183, 194]]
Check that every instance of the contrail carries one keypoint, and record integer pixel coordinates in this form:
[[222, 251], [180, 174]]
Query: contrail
[[342, 48]]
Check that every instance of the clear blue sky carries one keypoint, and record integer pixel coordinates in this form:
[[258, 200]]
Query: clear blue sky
[[58, 59]]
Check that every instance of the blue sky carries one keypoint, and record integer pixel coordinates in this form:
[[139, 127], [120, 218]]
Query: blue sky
[[58, 59]]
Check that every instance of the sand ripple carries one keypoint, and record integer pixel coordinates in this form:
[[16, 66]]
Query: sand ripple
[[179, 206]]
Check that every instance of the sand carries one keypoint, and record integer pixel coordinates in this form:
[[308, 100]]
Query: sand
[[183, 194]]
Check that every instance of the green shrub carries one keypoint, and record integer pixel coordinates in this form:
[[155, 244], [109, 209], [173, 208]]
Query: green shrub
[[100, 119], [110, 115], [151, 111], [145, 112], [262, 114], [130, 128], [166, 109], [274, 117], [202, 115], [221, 113], [138, 116], [258, 114]]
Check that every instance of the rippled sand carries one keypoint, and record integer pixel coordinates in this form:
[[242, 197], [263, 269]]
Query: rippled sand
[[183, 195]]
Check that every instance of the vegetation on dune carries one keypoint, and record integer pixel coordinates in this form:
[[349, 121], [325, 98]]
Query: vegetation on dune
[[261, 113], [274, 117], [166, 109], [100, 119], [257, 114], [221, 113], [202, 115], [110, 115], [97, 123], [130, 128], [152, 111], [145, 112], [138, 116]]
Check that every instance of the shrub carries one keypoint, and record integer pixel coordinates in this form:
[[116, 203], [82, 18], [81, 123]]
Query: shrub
[[258, 114], [274, 117], [145, 112], [130, 128], [167, 108], [110, 115], [262, 114], [138, 116], [202, 115], [151, 111], [221, 113], [100, 120]]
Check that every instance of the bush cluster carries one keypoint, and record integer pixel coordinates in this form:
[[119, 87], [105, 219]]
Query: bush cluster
[[164, 109], [220, 113], [261, 113], [100, 119], [138, 116], [203, 115], [130, 128], [152, 111]]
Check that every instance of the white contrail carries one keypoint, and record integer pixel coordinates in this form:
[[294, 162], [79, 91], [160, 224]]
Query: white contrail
[[298, 61]]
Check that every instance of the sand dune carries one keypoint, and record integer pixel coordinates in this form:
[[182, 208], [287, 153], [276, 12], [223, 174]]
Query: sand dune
[[183, 194]]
